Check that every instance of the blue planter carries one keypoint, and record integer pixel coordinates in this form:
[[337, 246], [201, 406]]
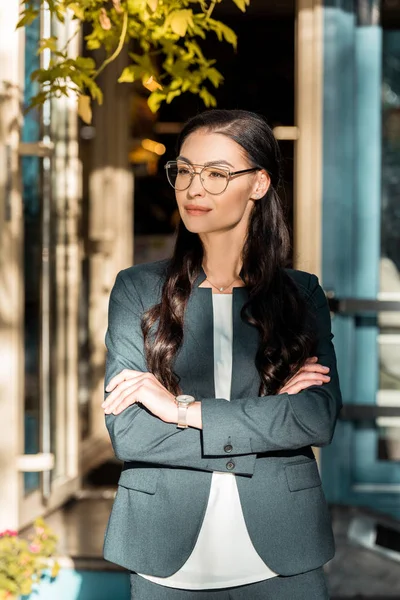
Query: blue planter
[[83, 585]]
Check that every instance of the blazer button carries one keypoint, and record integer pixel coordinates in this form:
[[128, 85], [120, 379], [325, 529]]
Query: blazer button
[[230, 465], [228, 448]]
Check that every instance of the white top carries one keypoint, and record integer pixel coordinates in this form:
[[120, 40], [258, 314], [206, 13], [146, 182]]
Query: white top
[[224, 555]]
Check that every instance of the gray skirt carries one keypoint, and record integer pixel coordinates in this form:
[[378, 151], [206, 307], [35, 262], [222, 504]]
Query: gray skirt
[[305, 586]]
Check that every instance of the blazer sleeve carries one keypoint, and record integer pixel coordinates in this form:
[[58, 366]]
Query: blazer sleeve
[[136, 434], [283, 421]]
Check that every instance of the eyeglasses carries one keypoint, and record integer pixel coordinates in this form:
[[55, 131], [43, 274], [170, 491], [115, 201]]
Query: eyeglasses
[[214, 179]]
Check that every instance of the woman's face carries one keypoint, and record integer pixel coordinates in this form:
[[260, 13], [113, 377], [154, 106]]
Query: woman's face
[[234, 205]]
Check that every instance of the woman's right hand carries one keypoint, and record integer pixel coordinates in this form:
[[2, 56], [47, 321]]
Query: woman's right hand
[[311, 373]]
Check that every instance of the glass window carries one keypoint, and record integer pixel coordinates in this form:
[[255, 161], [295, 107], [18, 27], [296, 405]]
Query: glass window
[[389, 322], [31, 185]]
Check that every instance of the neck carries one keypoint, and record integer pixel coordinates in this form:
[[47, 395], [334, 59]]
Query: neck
[[222, 260]]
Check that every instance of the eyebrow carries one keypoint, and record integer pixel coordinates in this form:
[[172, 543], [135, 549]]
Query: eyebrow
[[208, 164]]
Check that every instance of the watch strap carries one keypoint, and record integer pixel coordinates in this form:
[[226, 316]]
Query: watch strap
[[182, 416]]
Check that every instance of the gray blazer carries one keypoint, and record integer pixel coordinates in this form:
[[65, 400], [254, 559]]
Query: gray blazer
[[266, 441]]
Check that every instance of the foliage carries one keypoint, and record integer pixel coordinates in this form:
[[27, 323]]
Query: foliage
[[168, 59], [23, 562]]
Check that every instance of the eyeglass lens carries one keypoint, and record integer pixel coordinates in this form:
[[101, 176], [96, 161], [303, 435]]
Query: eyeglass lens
[[214, 179]]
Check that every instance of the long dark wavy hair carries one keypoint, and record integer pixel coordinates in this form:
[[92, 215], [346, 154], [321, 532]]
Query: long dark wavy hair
[[274, 305]]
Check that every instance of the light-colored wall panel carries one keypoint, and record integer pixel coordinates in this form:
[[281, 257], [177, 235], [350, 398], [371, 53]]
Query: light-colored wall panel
[[11, 291], [110, 235], [308, 146]]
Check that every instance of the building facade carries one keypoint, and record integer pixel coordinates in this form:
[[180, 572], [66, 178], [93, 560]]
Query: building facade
[[58, 262], [66, 227]]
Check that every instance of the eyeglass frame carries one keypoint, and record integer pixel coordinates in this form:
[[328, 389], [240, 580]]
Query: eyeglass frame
[[230, 174]]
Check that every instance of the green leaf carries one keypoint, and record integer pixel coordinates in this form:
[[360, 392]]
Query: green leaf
[[93, 44], [136, 6], [200, 32], [166, 35], [229, 35], [84, 109], [47, 43], [242, 4], [175, 84], [93, 88], [154, 100], [86, 63], [26, 587], [171, 95], [78, 10], [194, 49], [179, 21], [37, 100], [28, 16], [127, 75], [207, 98], [55, 570], [144, 61], [214, 76]]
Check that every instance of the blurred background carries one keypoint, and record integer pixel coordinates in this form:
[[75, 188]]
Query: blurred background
[[79, 202]]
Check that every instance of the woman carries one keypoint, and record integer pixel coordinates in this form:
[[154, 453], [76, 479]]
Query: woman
[[220, 496]]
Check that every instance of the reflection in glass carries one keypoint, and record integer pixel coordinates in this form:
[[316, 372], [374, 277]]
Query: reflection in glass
[[389, 336]]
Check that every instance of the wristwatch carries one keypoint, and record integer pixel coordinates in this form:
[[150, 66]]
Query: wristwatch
[[183, 401]]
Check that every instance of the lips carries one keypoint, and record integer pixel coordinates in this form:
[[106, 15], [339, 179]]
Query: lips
[[197, 208]]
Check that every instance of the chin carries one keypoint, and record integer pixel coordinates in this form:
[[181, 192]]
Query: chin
[[193, 228]]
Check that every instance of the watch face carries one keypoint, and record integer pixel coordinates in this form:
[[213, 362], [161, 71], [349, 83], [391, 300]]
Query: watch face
[[185, 399]]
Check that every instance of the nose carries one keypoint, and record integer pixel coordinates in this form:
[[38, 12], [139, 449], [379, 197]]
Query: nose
[[196, 187]]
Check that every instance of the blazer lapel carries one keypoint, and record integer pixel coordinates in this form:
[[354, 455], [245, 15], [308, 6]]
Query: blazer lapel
[[245, 378], [195, 361]]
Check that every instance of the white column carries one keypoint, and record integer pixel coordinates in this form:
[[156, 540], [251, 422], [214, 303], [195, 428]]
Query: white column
[[110, 234], [66, 198], [308, 147], [11, 279]]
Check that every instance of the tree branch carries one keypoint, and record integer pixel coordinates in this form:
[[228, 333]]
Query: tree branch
[[118, 49]]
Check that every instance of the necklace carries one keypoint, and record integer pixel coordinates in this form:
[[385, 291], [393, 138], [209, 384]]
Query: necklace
[[221, 289]]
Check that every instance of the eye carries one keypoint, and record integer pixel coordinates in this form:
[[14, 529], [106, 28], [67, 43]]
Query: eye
[[183, 171], [216, 174]]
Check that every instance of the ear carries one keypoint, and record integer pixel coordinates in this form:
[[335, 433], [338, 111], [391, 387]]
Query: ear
[[261, 185]]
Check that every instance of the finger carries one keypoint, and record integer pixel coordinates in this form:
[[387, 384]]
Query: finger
[[309, 363], [122, 376], [307, 371], [123, 395], [135, 395], [115, 394], [121, 387], [312, 368], [298, 387], [128, 401], [120, 401], [307, 376], [316, 368]]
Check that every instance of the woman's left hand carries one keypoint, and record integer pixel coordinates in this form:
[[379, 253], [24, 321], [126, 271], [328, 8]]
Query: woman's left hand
[[130, 387]]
